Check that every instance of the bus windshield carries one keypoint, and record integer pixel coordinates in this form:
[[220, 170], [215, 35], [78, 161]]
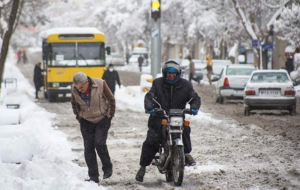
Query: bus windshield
[[78, 54]]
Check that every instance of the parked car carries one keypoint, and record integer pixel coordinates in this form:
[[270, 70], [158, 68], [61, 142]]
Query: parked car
[[218, 65], [115, 59], [269, 89], [199, 68], [133, 60], [200, 65], [233, 79]]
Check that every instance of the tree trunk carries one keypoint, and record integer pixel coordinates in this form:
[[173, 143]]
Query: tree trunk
[[7, 35]]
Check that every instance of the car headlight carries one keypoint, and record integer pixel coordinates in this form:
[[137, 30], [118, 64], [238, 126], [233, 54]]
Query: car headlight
[[55, 84], [176, 121]]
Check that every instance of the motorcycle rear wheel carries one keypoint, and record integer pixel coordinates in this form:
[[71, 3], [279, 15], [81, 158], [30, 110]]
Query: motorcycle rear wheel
[[178, 165]]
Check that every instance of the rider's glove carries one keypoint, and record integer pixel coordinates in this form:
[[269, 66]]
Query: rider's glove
[[194, 111], [151, 112]]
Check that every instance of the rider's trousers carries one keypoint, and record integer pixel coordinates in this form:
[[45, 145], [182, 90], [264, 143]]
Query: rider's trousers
[[154, 139]]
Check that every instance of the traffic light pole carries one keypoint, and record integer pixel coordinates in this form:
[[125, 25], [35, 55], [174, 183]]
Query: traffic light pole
[[155, 47]]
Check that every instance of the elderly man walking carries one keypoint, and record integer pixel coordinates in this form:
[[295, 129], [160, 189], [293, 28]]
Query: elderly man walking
[[94, 107]]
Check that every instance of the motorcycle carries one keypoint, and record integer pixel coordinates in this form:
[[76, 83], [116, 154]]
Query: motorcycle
[[171, 158]]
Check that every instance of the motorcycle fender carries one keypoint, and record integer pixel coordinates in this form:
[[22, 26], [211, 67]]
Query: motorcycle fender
[[178, 142]]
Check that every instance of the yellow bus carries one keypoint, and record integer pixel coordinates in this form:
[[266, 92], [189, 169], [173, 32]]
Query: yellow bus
[[67, 51]]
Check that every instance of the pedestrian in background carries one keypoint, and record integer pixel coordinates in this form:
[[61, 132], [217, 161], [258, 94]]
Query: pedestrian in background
[[19, 55], [297, 59], [209, 68], [24, 56], [140, 61], [289, 64], [94, 107], [111, 76], [192, 68], [38, 79]]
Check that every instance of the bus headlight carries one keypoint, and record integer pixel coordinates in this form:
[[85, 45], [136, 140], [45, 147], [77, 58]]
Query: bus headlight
[[55, 84], [176, 121]]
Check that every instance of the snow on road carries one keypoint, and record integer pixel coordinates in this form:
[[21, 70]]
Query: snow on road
[[229, 155]]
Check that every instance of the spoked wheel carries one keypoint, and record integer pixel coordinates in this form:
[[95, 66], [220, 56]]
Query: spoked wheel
[[178, 165]]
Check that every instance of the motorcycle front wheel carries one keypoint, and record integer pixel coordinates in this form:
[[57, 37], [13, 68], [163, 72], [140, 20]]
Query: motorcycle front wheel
[[178, 165]]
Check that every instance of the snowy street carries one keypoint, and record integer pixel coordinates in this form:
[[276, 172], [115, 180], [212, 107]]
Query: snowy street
[[231, 151]]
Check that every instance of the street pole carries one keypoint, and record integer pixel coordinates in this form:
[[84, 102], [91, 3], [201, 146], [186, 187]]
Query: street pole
[[260, 57], [155, 41]]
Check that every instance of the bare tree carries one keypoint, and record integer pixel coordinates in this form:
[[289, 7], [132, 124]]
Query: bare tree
[[7, 35]]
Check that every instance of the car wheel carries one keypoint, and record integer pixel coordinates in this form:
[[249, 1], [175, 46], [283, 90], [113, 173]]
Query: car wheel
[[221, 100], [292, 111], [246, 111]]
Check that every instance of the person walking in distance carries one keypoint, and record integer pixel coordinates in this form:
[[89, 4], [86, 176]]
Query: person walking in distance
[[19, 55], [289, 64], [38, 79], [140, 61], [111, 76], [209, 68], [24, 55], [94, 107], [192, 68]]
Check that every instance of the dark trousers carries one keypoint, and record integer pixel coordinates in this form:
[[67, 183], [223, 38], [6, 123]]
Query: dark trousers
[[191, 77], [94, 137], [153, 140], [37, 89]]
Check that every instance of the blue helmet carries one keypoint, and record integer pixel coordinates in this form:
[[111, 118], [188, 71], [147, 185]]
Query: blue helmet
[[171, 66]]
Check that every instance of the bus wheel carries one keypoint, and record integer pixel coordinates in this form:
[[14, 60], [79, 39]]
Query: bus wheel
[[52, 97], [45, 95]]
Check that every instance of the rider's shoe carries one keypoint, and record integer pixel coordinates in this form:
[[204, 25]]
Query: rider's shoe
[[140, 174], [107, 174], [189, 160], [93, 179]]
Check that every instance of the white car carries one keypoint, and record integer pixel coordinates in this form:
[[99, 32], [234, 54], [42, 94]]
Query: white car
[[233, 79], [269, 89], [200, 65], [115, 59]]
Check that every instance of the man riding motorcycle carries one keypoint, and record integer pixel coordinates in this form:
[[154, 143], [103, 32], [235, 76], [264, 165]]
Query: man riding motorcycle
[[172, 92]]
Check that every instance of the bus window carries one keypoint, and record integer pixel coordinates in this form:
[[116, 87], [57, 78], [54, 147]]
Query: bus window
[[63, 54], [90, 54]]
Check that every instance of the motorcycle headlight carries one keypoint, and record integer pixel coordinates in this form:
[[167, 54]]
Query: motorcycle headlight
[[176, 121], [55, 84]]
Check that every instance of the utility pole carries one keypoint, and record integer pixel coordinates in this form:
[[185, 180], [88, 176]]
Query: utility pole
[[155, 38]]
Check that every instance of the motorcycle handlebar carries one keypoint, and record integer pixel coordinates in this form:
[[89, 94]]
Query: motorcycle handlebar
[[187, 111]]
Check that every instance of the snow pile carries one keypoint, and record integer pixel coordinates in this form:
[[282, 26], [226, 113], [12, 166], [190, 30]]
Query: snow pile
[[33, 155]]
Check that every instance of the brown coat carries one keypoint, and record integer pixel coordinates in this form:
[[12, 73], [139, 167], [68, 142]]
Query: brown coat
[[192, 67], [102, 102]]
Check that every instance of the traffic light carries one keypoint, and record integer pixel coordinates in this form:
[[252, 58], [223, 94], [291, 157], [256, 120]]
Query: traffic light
[[155, 9]]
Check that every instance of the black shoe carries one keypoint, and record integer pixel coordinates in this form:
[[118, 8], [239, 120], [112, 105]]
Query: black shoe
[[107, 174], [95, 180], [189, 160], [140, 174]]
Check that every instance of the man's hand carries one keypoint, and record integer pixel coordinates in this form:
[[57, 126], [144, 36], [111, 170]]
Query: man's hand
[[194, 111], [151, 112]]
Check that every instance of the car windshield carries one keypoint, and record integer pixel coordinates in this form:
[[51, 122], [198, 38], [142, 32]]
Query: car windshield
[[239, 71], [270, 77]]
